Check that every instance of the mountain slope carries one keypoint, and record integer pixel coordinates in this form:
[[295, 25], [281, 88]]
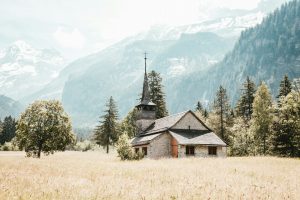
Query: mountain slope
[[265, 53], [9, 107], [24, 69], [118, 71]]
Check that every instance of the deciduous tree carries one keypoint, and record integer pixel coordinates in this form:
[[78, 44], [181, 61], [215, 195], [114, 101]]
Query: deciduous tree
[[262, 118], [44, 127]]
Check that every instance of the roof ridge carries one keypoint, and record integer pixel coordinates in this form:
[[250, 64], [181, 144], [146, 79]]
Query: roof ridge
[[173, 115]]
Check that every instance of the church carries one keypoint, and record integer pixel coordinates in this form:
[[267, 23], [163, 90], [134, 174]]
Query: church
[[178, 136]]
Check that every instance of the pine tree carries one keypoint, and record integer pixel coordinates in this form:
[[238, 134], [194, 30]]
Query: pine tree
[[284, 89], [199, 107], [8, 130], [245, 103], [205, 114], [220, 115], [156, 94], [262, 118], [286, 127], [107, 132]]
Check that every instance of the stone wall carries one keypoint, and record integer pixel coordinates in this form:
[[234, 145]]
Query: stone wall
[[202, 151], [189, 120], [160, 147]]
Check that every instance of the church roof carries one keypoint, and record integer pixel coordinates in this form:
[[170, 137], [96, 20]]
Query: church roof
[[183, 136], [164, 123], [197, 137]]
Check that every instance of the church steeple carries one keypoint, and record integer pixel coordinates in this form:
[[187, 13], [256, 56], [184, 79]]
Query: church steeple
[[146, 94], [146, 109]]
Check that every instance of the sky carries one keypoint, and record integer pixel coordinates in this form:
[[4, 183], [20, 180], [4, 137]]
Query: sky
[[79, 27]]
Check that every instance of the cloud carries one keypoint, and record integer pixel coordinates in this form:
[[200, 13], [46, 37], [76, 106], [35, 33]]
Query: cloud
[[72, 39]]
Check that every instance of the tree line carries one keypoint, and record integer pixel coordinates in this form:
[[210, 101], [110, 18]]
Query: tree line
[[257, 125], [7, 129]]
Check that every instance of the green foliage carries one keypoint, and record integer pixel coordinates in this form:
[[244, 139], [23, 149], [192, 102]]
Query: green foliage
[[286, 127], [125, 151], [220, 118], [262, 118], [242, 139], [244, 106], [284, 89], [128, 124], [156, 94], [8, 130], [107, 133], [199, 107], [85, 145], [9, 146], [44, 127]]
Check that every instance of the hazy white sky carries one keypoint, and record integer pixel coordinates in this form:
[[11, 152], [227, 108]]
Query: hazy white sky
[[77, 26]]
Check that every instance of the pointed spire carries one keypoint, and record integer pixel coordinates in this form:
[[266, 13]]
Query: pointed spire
[[146, 94]]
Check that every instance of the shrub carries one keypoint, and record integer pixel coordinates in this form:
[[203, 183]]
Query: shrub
[[125, 151]]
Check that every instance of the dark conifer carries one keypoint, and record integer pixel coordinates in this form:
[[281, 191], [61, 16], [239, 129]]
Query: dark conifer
[[107, 132], [156, 94]]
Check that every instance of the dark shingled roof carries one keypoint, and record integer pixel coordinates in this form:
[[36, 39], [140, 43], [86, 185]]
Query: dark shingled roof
[[196, 137], [164, 123], [183, 136]]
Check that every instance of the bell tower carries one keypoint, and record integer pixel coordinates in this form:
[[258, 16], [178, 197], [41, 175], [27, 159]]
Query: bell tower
[[146, 109]]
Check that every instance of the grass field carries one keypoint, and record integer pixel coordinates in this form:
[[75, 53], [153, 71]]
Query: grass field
[[94, 175]]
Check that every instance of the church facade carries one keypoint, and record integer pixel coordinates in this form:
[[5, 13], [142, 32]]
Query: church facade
[[180, 135]]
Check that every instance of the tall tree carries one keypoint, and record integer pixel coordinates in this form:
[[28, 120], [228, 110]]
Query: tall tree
[[128, 125], [244, 106], [262, 118], [284, 89], [199, 107], [156, 94], [44, 127], [9, 130], [242, 138], [221, 114], [107, 132], [286, 126]]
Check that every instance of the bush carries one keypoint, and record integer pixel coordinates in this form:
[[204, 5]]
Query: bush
[[85, 145], [9, 146], [125, 151]]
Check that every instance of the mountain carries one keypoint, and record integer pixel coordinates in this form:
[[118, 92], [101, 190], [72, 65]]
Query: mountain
[[9, 106], [24, 69], [186, 57], [265, 53], [118, 71]]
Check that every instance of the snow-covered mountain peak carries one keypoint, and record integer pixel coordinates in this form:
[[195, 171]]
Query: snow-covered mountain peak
[[24, 67]]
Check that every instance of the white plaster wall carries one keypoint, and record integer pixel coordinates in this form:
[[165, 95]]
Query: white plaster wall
[[189, 120], [160, 146]]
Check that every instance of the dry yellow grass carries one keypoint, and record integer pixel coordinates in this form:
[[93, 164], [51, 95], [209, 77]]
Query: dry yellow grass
[[94, 175]]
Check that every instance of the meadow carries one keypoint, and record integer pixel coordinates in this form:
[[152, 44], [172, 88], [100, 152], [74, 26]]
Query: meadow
[[94, 175]]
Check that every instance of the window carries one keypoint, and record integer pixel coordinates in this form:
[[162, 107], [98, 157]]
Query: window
[[144, 150], [190, 150], [212, 150], [136, 150]]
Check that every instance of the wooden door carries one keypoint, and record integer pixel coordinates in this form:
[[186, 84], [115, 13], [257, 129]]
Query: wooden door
[[174, 146]]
